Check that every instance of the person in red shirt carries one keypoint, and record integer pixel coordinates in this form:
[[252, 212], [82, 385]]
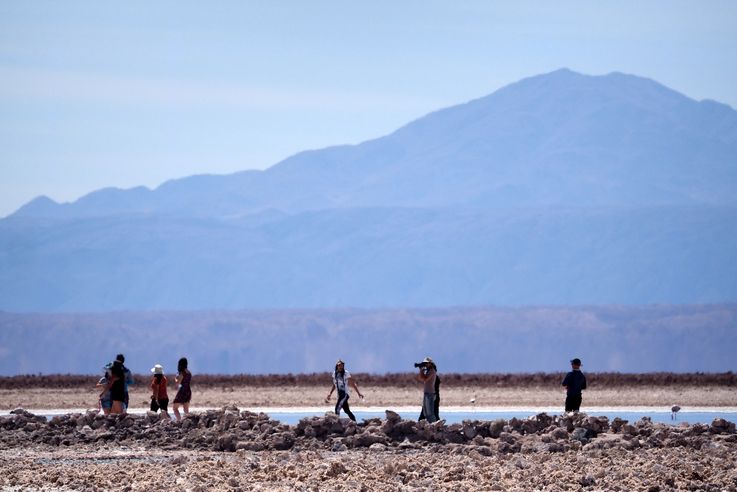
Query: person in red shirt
[[159, 397]]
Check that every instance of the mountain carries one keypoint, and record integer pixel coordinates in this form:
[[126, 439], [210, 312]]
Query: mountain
[[501, 340], [559, 139], [559, 189]]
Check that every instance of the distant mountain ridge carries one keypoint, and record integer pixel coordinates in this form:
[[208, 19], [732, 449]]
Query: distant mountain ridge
[[559, 139], [559, 189]]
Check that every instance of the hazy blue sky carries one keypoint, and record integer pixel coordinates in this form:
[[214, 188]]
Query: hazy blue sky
[[96, 94]]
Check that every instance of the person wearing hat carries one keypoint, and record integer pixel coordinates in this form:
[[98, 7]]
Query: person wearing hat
[[574, 383], [159, 397], [342, 380], [428, 376]]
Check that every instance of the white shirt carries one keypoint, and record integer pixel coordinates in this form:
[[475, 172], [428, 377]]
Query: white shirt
[[341, 382]]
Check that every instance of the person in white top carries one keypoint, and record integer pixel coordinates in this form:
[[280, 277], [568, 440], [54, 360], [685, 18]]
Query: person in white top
[[341, 380]]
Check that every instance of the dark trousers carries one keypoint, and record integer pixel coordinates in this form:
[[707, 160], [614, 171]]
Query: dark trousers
[[437, 409], [573, 403], [343, 403]]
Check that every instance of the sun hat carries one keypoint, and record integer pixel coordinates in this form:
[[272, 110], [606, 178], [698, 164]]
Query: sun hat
[[157, 369], [428, 359], [576, 362]]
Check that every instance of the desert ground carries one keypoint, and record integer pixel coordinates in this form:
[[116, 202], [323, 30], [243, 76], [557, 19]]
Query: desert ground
[[389, 397], [230, 447], [686, 392]]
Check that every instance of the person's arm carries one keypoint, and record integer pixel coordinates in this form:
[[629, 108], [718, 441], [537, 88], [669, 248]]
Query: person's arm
[[154, 390], [583, 383], [332, 388], [353, 383], [128, 377], [422, 377], [565, 382]]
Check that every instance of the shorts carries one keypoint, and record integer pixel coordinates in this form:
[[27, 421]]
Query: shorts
[[573, 403], [162, 405], [107, 403]]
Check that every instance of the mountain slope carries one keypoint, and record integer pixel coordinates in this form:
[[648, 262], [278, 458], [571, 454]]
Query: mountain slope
[[372, 258], [559, 189], [559, 139]]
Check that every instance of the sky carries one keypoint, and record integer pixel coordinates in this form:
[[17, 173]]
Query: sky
[[97, 94]]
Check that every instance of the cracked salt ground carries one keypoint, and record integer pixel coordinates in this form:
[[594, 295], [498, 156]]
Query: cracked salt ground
[[230, 449]]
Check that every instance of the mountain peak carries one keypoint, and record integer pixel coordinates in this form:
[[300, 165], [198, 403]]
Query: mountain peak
[[40, 206]]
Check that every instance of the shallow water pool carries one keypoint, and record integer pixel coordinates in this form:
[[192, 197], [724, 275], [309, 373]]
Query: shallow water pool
[[452, 417]]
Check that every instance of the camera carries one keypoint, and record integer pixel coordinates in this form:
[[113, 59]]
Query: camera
[[421, 364]]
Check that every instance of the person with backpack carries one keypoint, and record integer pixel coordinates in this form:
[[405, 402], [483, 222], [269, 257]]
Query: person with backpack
[[127, 380], [116, 385], [428, 376], [342, 380], [159, 397]]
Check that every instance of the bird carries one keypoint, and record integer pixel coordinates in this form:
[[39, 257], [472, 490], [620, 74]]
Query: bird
[[674, 410]]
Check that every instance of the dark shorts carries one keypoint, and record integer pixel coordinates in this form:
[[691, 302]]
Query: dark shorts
[[573, 403], [162, 405], [183, 395]]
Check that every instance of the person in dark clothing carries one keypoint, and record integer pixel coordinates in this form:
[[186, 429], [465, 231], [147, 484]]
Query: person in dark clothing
[[117, 387], [341, 381], [127, 380], [574, 383], [184, 393]]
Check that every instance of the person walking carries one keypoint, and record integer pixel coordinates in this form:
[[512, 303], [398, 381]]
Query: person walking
[[428, 376], [159, 397], [184, 394], [574, 383], [342, 380]]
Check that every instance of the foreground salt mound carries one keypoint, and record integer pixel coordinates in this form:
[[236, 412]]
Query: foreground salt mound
[[229, 429]]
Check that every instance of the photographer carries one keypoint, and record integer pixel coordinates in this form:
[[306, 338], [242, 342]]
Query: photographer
[[428, 376]]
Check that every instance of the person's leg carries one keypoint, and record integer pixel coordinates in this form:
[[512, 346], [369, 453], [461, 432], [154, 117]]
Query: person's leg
[[437, 406], [186, 408], [347, 409], [164, 407], [339, 402], [342, 399], [176, 411], [117, 407], [428, 405], [576, 403]]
